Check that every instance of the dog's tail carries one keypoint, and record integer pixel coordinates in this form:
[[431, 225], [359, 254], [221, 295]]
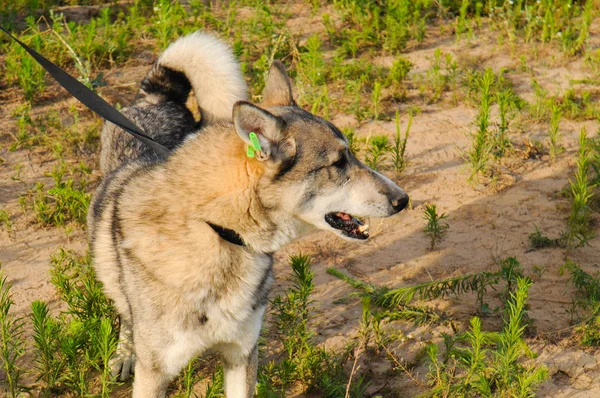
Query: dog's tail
[[201, 62]]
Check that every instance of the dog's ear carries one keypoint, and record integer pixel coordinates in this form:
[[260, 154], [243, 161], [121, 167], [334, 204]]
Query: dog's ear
[[278, 87], [276, 146]]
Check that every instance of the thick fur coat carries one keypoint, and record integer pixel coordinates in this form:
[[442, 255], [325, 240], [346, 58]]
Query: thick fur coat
[[179, 287]]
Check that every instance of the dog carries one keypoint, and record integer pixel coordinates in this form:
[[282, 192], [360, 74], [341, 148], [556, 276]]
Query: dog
[[183, 245]]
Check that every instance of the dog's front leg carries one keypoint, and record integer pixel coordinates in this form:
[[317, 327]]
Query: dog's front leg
[[122, 362], [151, 378], [240, 372], [240, 359]]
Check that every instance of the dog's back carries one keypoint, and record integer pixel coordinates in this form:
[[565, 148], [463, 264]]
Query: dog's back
[[197, 62]]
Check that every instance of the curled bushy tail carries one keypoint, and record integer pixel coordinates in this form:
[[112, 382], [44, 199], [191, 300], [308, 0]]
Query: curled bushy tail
[[198, 61], [205, 63]]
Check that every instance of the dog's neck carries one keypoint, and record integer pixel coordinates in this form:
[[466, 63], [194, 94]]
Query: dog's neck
[[219, 184]]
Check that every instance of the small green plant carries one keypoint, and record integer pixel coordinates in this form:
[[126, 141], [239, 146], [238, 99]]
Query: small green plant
[[469, 368], [592, 59], [105, 340], [399, 148], [434, 230], [353, 142], [500, 142], [214, 389], [354, 88], [168, 14], [438, 77], [23, 138], [538, 240], [398, 303], [574, 42], [377, 150], [311, 65], [579, 230], [481, 148], [23, 69], [82, 338], [11, 341], [322, 103], [376, 100], [293, 313], [63, 203], [585, 305], [49, 366], [189, 378], [305, 363], [399, 71], [554, 134], [540, 109], [461, 19], [578, 105], [5, 221]]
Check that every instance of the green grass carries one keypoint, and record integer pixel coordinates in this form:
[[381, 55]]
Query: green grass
[[440, 77], [304, 363], [376, 101], [538, 240], [402, 303], [72, 349], [48, 366], [378, 148], [579, 230], [479, 154], [24, 70], [398, 74], [62, 135], [353, 140], [436, 229], [66, 202], [5, 221], [71, 346], [398, 149], [554, 133], [12, 342], [585, 305], [478, 363], [474, 362], [501, 144]]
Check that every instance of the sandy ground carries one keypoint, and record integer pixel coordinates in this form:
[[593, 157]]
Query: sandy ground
[[487, 221]]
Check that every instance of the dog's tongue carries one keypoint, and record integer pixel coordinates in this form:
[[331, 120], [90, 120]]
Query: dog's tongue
[[344, 216]]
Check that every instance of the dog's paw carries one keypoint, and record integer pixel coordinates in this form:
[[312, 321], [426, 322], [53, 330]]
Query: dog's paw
[[122, 364]]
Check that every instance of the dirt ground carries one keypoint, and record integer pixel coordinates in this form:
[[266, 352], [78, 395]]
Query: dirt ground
[[487, 221]]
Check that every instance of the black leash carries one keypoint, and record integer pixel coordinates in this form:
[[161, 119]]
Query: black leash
[[90, 99], [96, 104]]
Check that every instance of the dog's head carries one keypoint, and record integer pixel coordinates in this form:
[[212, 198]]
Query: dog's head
[[310, 173]]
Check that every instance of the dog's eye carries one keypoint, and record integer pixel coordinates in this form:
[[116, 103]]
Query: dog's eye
[[340, 163]]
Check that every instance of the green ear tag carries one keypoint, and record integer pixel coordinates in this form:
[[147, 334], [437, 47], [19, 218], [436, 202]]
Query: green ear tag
[[254, 140], [250, 151]]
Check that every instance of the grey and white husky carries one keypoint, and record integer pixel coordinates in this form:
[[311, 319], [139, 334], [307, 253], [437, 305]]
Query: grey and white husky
[[180, 285]]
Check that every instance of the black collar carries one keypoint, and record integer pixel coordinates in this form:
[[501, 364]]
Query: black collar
[[228, 234]]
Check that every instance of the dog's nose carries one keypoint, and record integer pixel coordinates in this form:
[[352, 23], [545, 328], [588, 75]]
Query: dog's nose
[[400, 202]]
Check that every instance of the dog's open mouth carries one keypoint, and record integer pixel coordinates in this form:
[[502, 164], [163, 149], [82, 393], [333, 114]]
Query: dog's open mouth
[[352, 226]]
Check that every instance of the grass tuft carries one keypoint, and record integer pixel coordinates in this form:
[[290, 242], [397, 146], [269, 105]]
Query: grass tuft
[[469, 368], [434, 230], [579, 230], [398, 149], [12, 343], [481, 148]]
